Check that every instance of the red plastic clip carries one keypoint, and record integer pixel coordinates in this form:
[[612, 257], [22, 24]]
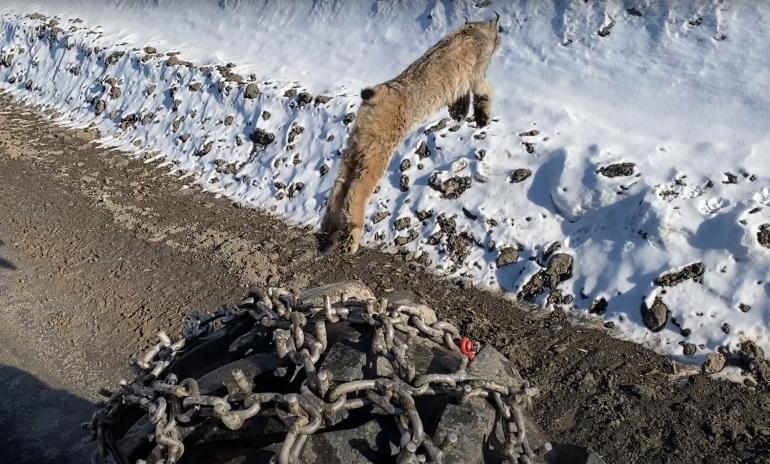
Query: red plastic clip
[[468, 347]]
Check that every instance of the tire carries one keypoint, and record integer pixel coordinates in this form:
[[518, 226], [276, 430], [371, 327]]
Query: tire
[[458, 430]]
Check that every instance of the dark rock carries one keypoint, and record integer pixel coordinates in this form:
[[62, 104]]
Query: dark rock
[[379, 216], [558, 270], [150, 50], [129, 121], [618, 170], [424, 214], [28, 85], [205, 150], [731, 178], [295, 188], [150, 89], [656, 316], [689, 349], [321, 100], [437, 127], [114, 57], [423, 151], [184, 137], [451, 188], [349, 118], [323, 169], [714, 363], [605, 31], [491, 364], [294, 132], [691, 271], [404, 239], [529, 147], [726, 328], [755, 361], [229, 120], [174, 60], [403, 223], [763, 235], [195, 87], [529, 133], [519, 175], [634, 12], [405, 164], [744, 307], [599, 306], [100, 107], [115, 92], [251, 91], [403, 184], [508, 255], [262, 138], [304, 98], [265, 115], [290, 93]]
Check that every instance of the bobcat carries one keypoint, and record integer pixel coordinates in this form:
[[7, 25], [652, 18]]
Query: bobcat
[[447, 74]]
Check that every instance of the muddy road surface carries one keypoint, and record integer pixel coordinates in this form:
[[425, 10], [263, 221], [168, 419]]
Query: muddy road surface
[[98, 251]]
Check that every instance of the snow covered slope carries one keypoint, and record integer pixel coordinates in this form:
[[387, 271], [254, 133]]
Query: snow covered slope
[[626, 173]]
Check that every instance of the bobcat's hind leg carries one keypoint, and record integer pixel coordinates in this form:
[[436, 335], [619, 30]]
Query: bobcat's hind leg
[[459, 109], [482, 102], [333, 222], [360, 192]]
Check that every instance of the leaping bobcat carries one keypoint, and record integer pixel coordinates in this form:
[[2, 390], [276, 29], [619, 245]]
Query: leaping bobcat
[[447, 74]]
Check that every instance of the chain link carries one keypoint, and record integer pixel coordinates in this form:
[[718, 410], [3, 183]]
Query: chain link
[[322, 402]]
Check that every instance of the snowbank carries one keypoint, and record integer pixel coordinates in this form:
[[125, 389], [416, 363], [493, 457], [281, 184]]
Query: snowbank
[[627, 172]]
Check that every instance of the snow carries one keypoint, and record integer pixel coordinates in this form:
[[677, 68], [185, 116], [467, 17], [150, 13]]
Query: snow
[[680, 89]]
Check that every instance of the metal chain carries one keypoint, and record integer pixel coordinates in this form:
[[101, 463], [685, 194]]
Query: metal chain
[[321, 402]]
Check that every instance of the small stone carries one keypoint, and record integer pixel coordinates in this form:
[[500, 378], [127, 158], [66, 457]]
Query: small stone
[[529, 133], [763, 235], [184, 137], [634, 12], [403, 184], [689, 349], [451, 188], [262, 138], [150, 89], [323, 169], [519, 175], [321, 100], [730, 178], [304, 98], [437, 127], [726, 328], [508, 255], [714, 363], [251, 92], [599, 306], [114, 57], [744, 307], [115, 92], [403, 223], [379, 216], [404, 239], [691, 271], [618, 170], [423, 151], [529, 147], [195, 87], [265, 115], [100, 107], [229, 120], [150, 50], [405, 164], [656, 316], [349, 118], [424, 214]]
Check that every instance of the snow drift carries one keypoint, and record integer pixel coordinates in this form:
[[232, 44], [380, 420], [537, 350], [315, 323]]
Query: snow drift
[[626, 172]]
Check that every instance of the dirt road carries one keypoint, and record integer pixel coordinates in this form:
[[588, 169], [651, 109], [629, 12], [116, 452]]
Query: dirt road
[[99, 251]]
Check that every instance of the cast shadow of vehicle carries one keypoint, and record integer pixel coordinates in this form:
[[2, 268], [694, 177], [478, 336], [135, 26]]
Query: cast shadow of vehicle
[[38, 423]]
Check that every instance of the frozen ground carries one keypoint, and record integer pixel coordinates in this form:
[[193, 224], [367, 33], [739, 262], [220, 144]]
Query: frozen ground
[[638, 132]]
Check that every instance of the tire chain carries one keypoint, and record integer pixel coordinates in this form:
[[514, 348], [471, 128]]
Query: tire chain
[[321, 401]]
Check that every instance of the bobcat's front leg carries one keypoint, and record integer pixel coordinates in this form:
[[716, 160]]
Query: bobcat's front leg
[[459, 109], [482, 102]]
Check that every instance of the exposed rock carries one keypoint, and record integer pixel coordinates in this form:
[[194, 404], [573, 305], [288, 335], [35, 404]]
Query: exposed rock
[[424, 214], [423, 151], [618, 170], [756, 363], [100, 107], [508, 255], [763, 235], [403, 223], [689, 349], [437, 127], [558, 270], [304, 98], [656, 316], [404, 239], [294, 132], [251, 92], [379, 216], [529, 147], [714, 363], [6, 60], [115, 92], [150, 89], [323, 169], [519, 175], [229, 120], [403, 184], [174, 60], [349, 118], [150, 50], [405, 164], [599, 306], [491, 364], [195, 87], [114, 57], [692, 271], [321, 100], [451, 188], [634, 12], [265, 115], [129, 121], [205, 150], [262, 138], [184, 137], [730, 178], [529, 133]]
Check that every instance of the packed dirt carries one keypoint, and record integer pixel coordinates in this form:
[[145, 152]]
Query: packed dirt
[[98, 251]]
